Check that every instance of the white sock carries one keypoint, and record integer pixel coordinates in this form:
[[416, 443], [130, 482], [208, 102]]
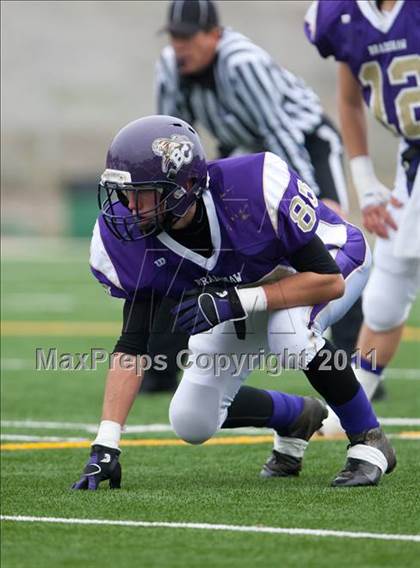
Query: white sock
[[290, 446], [369, 454], [109, 434], [331, 426], [368, 380]]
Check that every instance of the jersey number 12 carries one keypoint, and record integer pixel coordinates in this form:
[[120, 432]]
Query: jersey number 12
[[408, 99]]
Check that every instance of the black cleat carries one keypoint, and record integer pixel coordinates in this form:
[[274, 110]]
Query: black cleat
[[306, 424], [357, 473], [360, 472], [281, 465]]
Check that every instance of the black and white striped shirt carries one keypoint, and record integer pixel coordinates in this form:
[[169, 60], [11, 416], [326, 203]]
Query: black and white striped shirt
[[248, 101]]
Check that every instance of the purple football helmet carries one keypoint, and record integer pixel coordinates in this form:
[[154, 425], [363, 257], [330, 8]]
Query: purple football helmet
[[161, 155]]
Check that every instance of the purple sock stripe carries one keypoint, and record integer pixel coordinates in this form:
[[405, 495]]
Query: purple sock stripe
[[366, 364], [286, 408], [356, 415]]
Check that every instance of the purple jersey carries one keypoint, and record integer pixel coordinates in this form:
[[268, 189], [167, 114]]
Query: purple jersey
[[259, 213], [382, 50]]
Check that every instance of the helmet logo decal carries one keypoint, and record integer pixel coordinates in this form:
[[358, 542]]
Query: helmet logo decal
[[175, 151]]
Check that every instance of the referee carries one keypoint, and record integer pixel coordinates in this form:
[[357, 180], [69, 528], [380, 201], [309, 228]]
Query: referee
[[217, 77]]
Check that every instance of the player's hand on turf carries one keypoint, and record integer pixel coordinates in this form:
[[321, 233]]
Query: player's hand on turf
[[378, 219], [201, 311], [103, 465]]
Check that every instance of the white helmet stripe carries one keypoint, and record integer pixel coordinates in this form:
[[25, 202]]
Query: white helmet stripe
[[203, 7], [178, 7]]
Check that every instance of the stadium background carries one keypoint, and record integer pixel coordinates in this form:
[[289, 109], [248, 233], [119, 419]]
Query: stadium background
[[75, 72]]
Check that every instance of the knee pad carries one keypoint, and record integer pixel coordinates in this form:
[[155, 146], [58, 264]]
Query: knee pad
[[387, 300], [194, 412]]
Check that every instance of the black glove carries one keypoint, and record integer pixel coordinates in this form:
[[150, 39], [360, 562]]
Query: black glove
[[103, 464], [200, 311]]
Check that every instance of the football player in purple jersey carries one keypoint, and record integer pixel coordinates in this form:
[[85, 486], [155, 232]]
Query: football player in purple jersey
[[377, 47], [256, 264], [213, 76]]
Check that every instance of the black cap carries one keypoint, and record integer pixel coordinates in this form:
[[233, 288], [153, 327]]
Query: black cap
[[187, 17]]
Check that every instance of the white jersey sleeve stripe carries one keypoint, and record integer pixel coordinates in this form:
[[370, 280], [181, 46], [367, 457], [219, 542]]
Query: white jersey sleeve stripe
[[99, 258], [310, 18], [276, 178], [335, 235]]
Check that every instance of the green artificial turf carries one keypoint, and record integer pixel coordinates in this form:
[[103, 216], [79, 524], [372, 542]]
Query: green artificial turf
[[213, 484]]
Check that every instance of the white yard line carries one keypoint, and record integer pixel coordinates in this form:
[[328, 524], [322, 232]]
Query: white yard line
[[213, 527], [255, 434], [399, 421], [25, 438], [35, 424], [40, 302], [45, 249], [47, 259], [156, 428], [406, 374], [16, 364]]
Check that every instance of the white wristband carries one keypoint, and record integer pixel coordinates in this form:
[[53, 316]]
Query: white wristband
[[109, 434], [370, 190], [252, 299]]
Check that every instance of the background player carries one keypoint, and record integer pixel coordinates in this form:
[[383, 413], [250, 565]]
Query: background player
[[215, 77], [377, 45], [214, 231]]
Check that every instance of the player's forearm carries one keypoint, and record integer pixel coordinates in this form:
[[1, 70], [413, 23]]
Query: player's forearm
[[370, 191], [121, 389], [353, 128], [351, 113], [303, 289]]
